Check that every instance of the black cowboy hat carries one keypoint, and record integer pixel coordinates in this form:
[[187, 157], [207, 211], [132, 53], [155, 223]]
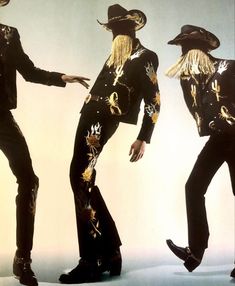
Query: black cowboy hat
[[4, 2], [117, 14], [190, 32]]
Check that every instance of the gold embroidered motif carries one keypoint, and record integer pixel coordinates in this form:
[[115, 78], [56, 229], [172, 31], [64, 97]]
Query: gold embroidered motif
[[92, 140], [226, 115], [222, 67], [216, 89], [89, 215], [113, 103], [156, 99], [152, 112], [194, 94], [198, 121], [32, 204], [137, 54], [155, 117], [119, 72], [137, 18], [95, 229], [86, 175], [151, 73]]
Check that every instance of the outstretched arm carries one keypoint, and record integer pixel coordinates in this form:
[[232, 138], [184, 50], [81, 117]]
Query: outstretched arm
[[137, 150], [75, 78], [151, 95]]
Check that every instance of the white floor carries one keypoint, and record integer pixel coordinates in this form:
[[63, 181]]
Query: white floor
[[136, 272]]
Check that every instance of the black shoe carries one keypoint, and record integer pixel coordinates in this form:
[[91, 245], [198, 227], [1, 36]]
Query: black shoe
[[232, 274], [85, 272], [184, 253], [22, 270], [112, 264]]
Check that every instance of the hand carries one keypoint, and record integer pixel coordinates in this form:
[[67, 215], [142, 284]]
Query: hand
[[137, 150], [75, 78]]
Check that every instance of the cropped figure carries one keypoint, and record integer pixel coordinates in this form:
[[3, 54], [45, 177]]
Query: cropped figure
[[13, 144], [127, 77], [208, 86]]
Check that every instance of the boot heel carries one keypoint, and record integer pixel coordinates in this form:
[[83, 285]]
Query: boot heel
[[116, 266], [192, 263]]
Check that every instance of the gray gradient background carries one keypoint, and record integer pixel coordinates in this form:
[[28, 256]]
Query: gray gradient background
[[146, 199]]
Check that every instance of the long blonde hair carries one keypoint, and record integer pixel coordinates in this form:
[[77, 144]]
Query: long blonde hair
[[120, 51], [193, 62]]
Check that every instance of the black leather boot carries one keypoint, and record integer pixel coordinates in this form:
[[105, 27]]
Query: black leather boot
[[84, 272], [112, 264], [22, 270], [184, 253], [232, 274]]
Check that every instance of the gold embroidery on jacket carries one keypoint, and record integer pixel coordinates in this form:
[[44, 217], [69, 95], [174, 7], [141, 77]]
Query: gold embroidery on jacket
[[156, 99], [152, 112], [222, 67], [151, 73], [118, 72], [137, 54], [113, 104], [226, 115], [216, 89], [194, 94]]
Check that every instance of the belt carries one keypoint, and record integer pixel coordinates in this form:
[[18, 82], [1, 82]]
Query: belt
[[93, 97]]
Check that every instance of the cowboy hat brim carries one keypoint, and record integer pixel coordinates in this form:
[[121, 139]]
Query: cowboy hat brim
[[4, 2], [189, 32]]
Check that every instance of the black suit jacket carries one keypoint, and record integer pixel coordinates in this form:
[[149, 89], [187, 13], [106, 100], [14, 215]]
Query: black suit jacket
[[12, 59], [211, 100], [124, 88]]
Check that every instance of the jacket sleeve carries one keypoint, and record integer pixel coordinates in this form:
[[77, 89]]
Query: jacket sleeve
[[151, 95], [27, 69]]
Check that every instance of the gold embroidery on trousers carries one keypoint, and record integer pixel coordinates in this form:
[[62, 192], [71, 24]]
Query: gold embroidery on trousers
[[33, 198], [93, 142], [198, 121]]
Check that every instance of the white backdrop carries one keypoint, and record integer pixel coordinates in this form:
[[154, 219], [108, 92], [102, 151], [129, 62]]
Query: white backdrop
[[146, 199]]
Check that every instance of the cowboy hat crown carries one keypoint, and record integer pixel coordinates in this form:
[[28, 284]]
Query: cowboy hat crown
[[118, 14], [195, 33]]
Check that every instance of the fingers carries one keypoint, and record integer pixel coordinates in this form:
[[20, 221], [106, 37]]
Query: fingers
[[80, 78], [136, 156], [83, 78], [85, 84]]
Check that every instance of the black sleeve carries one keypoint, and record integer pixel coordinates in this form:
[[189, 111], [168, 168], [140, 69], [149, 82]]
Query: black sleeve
[[27, 69], [151, 95]]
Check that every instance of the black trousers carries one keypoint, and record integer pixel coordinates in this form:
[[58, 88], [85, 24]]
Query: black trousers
[[219, 148], [13, 145], [97, 233]]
